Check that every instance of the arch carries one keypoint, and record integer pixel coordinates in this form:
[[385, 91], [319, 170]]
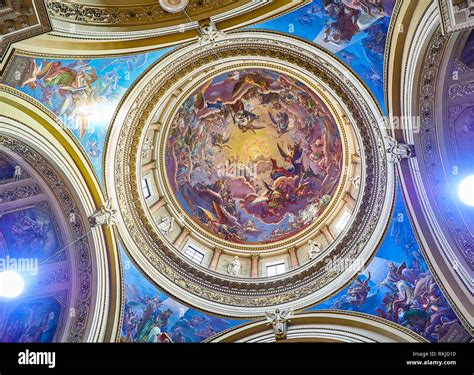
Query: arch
[[323, 326], [419, 68], [37, 137]]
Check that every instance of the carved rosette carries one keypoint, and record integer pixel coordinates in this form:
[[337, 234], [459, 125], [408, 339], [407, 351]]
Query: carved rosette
[[225, 294]]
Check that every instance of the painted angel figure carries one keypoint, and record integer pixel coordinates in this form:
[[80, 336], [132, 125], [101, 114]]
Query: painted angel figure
[[72, 83]]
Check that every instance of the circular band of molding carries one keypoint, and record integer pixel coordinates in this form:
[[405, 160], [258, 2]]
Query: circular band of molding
[[209, 290], [166, 112], [92, 29]]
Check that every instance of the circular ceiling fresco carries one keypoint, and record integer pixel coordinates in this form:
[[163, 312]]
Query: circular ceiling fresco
[[254, 156]]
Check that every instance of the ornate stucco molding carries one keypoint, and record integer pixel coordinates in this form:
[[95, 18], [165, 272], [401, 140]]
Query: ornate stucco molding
[[457, 16], [21, 20], [127, 15], [37, 137], [148, 20]]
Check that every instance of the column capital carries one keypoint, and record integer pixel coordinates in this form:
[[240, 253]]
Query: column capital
[[348, 198], [157, 205], [148, 166], [155, 126], [179, 241], [293, 257], [327, 233]]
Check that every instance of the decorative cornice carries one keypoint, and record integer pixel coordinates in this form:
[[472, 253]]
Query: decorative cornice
[[19, 192], [320, 325], [23, 30], [124, 25], [129, 15], [451, 16]]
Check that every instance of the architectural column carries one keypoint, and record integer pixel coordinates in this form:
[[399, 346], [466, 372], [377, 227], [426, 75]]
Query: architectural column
[[254, 267], [157, 205], [348, 198], [327, 234], [293, 257], [215, 258], [182, 236], [148, 166]]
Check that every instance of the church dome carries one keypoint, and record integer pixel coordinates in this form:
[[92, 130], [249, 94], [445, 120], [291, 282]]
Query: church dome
[[243, 169]]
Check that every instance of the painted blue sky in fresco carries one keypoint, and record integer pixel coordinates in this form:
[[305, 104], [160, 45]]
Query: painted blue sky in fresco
[[149, 311], [364, 52], [83, 93], [423, 308]]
